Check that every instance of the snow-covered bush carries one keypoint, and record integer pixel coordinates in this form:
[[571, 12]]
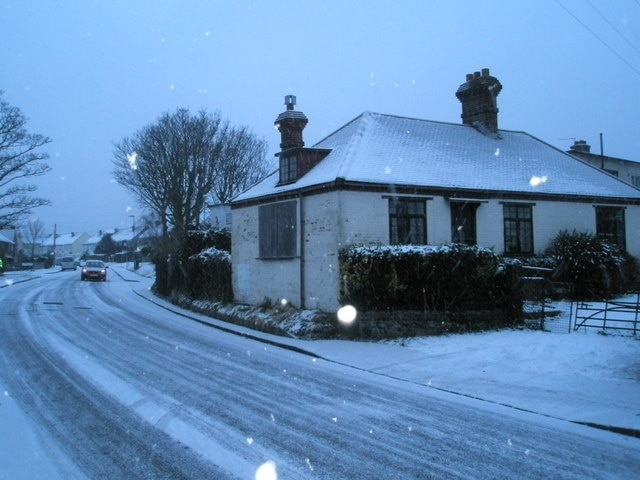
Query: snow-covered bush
[[596, 269], [177, 273], [451, 277], [199, 240], [209, 275]]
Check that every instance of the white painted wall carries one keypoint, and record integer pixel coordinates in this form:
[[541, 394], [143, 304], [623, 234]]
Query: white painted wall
[[320, 250], [632, 224], [255, 279], [334, 220], [220, 216]]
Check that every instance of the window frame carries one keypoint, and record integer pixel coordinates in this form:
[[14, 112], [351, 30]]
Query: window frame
[[517, 222], [611, 225], [470, 230], [288, 169], [413, 222]]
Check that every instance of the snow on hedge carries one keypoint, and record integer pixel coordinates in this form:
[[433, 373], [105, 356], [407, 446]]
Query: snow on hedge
[[212, 255]]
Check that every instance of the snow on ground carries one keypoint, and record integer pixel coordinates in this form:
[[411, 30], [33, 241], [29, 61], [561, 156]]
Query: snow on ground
[[584, 377], [580, 376]]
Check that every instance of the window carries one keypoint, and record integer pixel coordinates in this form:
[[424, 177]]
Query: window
[[635, 181], [610, 225], [463, 222], [277, 230], [518, 229], [407, 221], [288, 169]]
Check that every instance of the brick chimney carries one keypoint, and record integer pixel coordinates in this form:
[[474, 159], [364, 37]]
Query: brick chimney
[[580, 146], [478, 97], [290, 124]]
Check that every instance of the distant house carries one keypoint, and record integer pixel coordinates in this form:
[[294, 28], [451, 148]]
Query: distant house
[[220, 215], [626, 170], [90, 244], [125, 239], [9, 246], [64, 244], [396, 180]]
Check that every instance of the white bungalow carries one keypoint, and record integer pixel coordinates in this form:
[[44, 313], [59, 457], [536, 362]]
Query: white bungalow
[[396, 180], [64, 244]]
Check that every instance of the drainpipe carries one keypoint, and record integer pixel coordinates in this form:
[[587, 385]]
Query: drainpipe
[[302, 256], [601, 154]]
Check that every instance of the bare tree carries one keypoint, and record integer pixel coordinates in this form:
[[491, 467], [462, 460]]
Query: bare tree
[[171, 165], [175, 163], [19, 160], [243, 161], [34, 232]]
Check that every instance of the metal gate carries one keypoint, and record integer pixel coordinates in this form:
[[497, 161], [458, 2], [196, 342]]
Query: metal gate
[[617, 315]]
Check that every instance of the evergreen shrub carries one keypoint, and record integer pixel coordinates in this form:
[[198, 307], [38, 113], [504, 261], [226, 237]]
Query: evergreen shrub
[[199, 240], [596, 268], [177, 272], [451, 277], [209, 275]]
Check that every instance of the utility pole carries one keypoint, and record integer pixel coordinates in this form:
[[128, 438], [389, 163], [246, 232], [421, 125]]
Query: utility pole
[[55, 228]]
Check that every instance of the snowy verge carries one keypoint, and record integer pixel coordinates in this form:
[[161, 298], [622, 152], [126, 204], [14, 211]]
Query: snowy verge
[[583, 377]]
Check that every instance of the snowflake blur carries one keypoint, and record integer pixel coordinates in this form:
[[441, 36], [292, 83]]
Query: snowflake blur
[[535, 180], [132, 158], [347, 314], [267, 471]]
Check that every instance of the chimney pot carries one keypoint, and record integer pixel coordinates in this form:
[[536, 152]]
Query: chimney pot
[[290, 101], [476, 74], [581, 146], [485, 72], [469, 77]]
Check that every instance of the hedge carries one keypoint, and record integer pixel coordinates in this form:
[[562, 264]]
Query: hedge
[[452, 277]]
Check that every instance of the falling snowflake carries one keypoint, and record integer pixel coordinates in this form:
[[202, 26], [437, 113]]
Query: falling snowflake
[[132, 158], [535, 181], [308, 462], [267, 471], [347, 314]]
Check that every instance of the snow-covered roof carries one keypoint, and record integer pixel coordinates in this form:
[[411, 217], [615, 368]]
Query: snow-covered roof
[[94, 239], [384, 149], [123, 235], [63, 239], [117, 235], [4, 239]]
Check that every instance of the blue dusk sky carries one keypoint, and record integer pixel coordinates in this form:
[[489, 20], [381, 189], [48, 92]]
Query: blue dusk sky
[[88, 73]]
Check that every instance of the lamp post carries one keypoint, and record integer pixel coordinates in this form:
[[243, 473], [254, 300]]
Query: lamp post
[[132, 245]]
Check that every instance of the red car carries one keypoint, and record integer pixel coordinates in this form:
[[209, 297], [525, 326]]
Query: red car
[[94, 270]]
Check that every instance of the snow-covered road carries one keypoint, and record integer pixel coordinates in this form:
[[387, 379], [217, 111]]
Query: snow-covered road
[[119, 387]]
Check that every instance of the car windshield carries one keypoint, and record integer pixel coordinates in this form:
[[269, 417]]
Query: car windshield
[[94, 264]]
